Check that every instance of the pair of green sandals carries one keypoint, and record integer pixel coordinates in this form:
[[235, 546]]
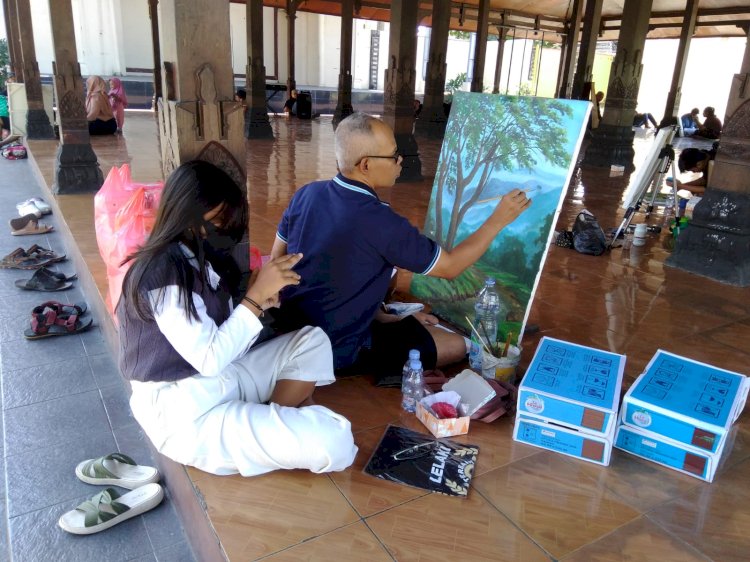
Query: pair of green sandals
[[109, 507]]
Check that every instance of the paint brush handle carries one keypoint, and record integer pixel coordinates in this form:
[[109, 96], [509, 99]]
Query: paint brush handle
[[476, 332], [507, 344]]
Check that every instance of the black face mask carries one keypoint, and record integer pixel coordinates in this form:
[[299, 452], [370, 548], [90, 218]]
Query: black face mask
[[217, 239]]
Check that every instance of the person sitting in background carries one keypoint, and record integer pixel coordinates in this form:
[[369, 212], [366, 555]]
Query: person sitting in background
[[4, 115], [711, 128], [203, 393], [698, 161], [417, 108], [290, 104], [643, 120], [98, 109], [240, 97], [690, 122], [599, 100], [118, 100]]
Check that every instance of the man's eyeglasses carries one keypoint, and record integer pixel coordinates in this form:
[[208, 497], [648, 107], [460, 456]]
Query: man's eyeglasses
[[395, 157]]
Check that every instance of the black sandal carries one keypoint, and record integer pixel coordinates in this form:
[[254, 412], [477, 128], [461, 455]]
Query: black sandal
[[46, 280]]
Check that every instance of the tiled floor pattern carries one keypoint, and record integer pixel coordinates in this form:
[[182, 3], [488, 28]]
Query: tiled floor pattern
[[525, 504]]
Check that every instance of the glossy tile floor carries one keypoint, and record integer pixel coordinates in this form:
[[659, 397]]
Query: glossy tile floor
[[526, 504]]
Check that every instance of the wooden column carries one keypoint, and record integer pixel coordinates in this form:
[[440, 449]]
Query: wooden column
[[591, 22], [153, 12], [14, 46], [198, 117], [257, 125], [37, 121], [480, 47], [672, 107], [502, 36], [717, 242], [432, 119], [344, 102], [76, 167], [400, 78], [613, 139], [571, 45], [291, 15]]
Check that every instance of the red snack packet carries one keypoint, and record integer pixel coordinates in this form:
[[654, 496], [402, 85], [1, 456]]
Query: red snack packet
[[443, 410], [256, 258]]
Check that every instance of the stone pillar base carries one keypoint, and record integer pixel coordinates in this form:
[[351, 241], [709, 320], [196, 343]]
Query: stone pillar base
[[611, 144], [76, 169], [716, 244], [38, 125], [411, 165], [257, 124], [431, 122]]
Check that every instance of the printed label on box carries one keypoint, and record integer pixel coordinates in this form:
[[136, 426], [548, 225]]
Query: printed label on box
[[562, 440]]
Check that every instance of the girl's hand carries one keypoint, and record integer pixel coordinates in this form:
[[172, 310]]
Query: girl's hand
[[272, 277]]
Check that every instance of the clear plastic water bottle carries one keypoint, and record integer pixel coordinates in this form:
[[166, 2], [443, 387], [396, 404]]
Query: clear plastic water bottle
[[487, 312], [413, 354], [412, 386]]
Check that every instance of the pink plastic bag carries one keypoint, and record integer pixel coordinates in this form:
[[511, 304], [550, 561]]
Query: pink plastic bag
[[124, 214]]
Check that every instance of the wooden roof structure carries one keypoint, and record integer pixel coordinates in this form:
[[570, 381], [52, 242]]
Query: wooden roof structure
[[716, 18]]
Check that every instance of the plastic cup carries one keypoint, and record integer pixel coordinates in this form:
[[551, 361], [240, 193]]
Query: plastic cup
[[505, 369]]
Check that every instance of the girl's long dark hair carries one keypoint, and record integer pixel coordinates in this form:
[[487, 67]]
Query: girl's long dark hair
[[191, 191]]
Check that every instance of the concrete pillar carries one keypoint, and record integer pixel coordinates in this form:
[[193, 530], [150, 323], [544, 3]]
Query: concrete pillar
[[76, 167], [153, 12], [502, 33], [613, 139], [37, 122], [291, 15], [14, 45], [257, 125], [432, 119], [480, 47], [198, 117], [591, 22], [716, 244], [400, 78], [344, 102], [571, 45], [672, 106]]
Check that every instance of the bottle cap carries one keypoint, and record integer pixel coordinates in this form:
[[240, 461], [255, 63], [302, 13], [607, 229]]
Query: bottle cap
[[414, 354], [415, 364], [489, 281]]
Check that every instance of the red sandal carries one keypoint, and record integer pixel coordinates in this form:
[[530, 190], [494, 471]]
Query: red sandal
[[57, 319]]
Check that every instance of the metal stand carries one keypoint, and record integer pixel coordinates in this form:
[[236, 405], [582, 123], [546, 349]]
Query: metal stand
[[665, 162]]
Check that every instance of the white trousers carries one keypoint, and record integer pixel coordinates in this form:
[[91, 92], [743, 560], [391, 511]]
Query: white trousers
[[220, 424]]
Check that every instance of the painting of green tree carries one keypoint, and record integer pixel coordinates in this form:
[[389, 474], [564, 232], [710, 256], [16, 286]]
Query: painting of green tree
[[494, 144]]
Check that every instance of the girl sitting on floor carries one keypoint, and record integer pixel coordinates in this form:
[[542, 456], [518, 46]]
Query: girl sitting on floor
[[202, 394]]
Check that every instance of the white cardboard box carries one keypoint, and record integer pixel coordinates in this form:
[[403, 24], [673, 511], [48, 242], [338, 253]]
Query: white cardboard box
[[574, 386]]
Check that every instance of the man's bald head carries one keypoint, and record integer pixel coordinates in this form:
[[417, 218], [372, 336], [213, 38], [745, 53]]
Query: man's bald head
[[356, 137]]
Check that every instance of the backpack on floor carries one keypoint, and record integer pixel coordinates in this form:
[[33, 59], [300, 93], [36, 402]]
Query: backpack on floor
[[15, 151]]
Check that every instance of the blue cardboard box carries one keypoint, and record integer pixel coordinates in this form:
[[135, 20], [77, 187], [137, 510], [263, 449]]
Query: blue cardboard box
[[560, 439], [573, 385], [678, 456], [686, 401]]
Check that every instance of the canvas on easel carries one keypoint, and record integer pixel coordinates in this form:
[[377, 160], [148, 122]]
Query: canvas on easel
[[494, 144]]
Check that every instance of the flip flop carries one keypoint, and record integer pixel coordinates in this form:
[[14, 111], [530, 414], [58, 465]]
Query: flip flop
[[22, 221], [108, 508], [33, 258], [28, 208], [46, 280], [116, 469], [32, 226], [35, 205]]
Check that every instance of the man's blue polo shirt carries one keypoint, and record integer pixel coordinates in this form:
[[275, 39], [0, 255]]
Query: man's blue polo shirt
[[351, 240]]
